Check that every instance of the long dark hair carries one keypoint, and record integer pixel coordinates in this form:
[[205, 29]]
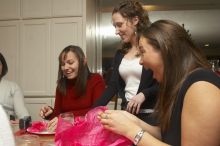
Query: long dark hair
[[83, 72], [4, 66], [130, 9], [180, 57]]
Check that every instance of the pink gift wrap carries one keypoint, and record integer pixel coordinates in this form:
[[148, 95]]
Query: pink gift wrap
[[38, 126], [87, 131]]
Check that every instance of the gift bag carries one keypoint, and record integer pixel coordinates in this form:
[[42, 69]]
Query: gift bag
[[88, 131]]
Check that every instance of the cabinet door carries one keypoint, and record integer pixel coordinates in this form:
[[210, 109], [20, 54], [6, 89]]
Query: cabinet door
[[67, 8], [9, 47], [36, 8], [9, 9], [34, 105], [34, 56], [65, 31]]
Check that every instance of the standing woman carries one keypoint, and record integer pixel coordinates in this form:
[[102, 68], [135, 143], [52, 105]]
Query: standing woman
[[77, 88], [134, 84], [11, 96]]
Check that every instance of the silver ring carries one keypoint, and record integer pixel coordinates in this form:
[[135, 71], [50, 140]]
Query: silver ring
[[106, 116]]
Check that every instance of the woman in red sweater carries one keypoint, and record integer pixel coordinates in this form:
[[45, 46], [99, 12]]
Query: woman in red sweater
[[77, 88]]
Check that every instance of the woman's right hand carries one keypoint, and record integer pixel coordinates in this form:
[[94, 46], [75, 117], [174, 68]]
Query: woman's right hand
[[45, 111], [120, 122]]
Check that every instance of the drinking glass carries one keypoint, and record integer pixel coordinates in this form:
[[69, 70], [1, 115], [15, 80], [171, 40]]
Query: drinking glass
[[48, 143], [27, 140], [67, 118], [66, 121]]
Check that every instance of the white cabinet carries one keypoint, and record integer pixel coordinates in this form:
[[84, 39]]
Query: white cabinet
[[9, 47], [9, 9], [34, 105], [67, 8], [32, 44], [65, 32], [34, 57], [51, 8], [36, 8]]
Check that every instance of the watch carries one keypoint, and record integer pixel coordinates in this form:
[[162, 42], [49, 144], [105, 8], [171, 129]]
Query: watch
[[138, 137]]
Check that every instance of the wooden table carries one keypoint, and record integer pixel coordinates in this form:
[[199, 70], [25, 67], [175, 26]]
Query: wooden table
[[43, 138]]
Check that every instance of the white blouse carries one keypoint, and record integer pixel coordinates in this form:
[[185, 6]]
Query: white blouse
[[130, 71]]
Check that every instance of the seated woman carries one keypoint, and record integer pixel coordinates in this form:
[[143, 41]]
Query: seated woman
[[188, 105], [77, 88], [11, 97]]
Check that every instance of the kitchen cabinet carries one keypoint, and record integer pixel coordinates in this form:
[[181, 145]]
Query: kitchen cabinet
[[9, 9], [51, 8], [36, 8], [9, 47], [64, 32], [34, 105], [34, 57], [67, 8], [40, 29]]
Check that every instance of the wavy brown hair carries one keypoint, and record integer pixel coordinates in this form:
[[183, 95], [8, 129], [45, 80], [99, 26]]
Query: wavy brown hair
[[83, 72], [130, 9], [180, 57]]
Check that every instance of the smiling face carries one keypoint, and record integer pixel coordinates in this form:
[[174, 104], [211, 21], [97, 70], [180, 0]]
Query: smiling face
[[123, 27], [151, 58], [70, 65]]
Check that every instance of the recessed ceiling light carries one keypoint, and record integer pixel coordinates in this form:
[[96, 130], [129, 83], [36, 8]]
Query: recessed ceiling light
[[206, 45]]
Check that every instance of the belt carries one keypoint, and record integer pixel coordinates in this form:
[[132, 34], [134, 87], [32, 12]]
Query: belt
[[146, 111]]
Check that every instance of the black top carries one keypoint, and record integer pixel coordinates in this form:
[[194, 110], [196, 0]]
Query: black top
[[148, 86], [173, 135]]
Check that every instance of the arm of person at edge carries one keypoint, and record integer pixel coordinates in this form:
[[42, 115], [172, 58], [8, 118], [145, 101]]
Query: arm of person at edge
[[135, 103], [19, 104], [205, 126], [111, 89]]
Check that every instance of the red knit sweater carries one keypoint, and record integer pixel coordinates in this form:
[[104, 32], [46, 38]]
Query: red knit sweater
[[79, 105]]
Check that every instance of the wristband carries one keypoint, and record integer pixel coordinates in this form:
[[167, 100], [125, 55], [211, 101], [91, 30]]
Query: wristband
[[138, 137]]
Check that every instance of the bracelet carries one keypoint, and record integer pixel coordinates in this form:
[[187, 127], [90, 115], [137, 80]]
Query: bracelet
[[138, 137], [51, 108]]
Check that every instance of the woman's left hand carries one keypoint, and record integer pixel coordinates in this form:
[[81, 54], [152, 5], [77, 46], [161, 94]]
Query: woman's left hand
[[134, 104], [52, 124], [117, 121]]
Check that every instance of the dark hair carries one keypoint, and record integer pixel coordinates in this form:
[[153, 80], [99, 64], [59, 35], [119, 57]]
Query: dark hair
[[4, 66], [83, 72], [130, 9], [180, 57]]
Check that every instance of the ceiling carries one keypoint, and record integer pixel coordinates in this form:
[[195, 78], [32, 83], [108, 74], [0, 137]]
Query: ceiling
[[201, 18]]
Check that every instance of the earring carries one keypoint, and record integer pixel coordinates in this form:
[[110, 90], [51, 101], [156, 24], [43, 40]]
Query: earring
[[135, 31]]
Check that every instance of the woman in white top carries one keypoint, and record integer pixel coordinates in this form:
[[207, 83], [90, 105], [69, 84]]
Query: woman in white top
[[11, 97]]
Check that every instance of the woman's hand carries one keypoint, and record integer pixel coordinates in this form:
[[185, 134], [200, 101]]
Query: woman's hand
[[120, 122], [135, 103], [45, 111], [52, 124]]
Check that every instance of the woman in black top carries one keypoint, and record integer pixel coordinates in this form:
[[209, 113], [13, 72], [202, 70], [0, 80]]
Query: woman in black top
[[188, 104], [134, 84]]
